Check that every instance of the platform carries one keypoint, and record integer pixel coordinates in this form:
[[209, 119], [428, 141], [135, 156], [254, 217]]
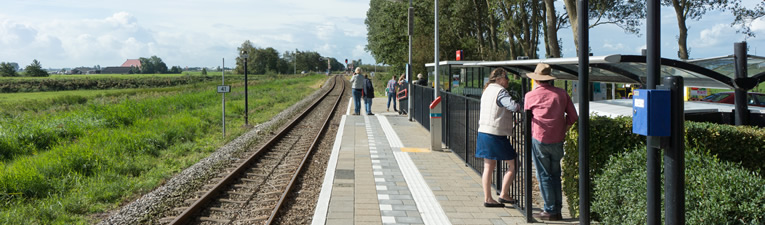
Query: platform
[[382, 172]]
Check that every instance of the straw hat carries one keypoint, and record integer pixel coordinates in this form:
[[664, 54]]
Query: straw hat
[[543, 72]]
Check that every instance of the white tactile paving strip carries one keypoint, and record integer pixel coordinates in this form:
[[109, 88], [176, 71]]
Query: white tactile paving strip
[[427, 204], [397, 204]]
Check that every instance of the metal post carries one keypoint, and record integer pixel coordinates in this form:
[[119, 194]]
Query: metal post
[[527, 208], [246, 111], [653, 58], [674, 157], [435, 80], [223, 82], [740, 94], [584, 112], [409, 65]]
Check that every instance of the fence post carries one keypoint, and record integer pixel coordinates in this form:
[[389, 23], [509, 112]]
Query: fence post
[[527, 166]]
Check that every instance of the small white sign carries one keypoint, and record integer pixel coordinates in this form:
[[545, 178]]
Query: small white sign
[[224, 89], [640, 103]]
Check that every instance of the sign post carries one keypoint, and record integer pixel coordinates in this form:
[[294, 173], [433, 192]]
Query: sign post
[[223, 89]]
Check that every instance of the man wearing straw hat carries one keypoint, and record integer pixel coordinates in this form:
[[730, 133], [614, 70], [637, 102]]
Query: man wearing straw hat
[[553, 114]]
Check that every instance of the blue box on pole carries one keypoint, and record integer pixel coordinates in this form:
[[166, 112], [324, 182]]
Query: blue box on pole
[[651, 112]]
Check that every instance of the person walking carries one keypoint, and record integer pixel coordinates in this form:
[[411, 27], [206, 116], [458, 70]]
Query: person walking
[[495, 123], [390, 90], [357, 85], [553, 114], [369, 94]]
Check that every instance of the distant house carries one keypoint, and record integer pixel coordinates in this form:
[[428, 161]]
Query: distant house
[[116, 70], [132, 62], [84, 70]]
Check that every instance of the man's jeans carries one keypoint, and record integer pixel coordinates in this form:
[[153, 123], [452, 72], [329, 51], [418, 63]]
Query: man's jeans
[[357, 101], [547, 161], [368, 104], [392, 98]]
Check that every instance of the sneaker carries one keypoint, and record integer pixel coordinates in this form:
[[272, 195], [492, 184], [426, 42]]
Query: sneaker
[[371, 114]]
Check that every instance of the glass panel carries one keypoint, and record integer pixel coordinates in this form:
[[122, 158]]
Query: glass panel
[[760, 99]]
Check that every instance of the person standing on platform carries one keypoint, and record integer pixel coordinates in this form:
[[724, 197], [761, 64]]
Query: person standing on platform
[[421, 80], [494, 125], [357, 85], [554, 113], [369, 94], [390, 90], [403, 97]]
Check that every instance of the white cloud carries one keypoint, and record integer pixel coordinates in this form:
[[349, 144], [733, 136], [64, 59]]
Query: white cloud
[[613, 47], [325, 31], [712, 36], [359, 52], [758, 26]]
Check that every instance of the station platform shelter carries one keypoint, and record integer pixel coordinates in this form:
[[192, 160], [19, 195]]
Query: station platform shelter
[[382, 171]]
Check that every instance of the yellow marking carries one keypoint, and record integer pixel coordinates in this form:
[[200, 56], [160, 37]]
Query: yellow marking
[[415, 150]]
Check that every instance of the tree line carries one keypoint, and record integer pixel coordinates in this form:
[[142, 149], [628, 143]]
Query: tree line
[[269, 61], [32, 70], [506, 29]]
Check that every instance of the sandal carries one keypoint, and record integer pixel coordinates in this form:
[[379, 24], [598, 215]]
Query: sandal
[[490, 205], [511, 201]]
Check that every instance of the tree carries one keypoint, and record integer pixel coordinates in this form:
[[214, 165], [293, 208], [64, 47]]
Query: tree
[[35, 70], [626, 14], [204, 71], [551, 24], [246, 46], [177, 69], [152, 65], [7, 70], [695, 9]]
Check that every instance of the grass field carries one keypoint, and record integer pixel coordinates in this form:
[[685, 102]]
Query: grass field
[[102, 76], [64, 157]]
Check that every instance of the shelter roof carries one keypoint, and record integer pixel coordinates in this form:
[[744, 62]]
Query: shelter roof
[[716, 72]]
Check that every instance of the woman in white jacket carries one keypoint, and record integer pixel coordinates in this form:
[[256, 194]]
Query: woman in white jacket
[[494, 125]]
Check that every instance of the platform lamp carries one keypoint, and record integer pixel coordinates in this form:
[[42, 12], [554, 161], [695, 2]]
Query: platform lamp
[[245, 56]]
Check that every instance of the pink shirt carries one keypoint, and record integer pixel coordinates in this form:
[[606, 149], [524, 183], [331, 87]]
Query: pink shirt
[[553, 113]]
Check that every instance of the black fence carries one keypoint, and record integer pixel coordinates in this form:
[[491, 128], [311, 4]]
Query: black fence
[[459, 132]]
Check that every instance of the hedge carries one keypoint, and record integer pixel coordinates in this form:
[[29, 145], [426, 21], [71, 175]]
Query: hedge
[[716, 192], [609, 136], [38, 85]]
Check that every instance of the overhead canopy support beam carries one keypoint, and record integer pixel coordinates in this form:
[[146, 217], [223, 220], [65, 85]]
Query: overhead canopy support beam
[[685, 66], [620, 71]]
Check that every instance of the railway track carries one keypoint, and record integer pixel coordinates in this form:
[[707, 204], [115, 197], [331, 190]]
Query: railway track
[[254, 190]]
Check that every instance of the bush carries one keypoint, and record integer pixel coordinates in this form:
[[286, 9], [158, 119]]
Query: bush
[[717, 192], [613, 135], [739, 144]]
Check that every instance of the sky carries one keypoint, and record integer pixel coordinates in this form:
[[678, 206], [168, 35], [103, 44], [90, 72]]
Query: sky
[[200, 33]]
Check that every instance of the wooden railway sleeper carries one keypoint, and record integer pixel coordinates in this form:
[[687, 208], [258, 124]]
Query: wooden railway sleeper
[[214, 220], [232, 201]]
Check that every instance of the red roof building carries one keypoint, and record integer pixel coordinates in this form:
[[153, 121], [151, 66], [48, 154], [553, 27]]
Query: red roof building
[[131, 63]]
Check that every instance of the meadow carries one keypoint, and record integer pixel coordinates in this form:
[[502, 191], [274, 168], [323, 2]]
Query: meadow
[[66, 156]]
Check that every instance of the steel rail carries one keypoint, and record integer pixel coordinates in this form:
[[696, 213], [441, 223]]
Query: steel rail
[[200, 204], [305, 158]]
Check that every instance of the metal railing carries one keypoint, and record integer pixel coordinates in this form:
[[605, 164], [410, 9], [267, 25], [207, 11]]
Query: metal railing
[[459, 132]]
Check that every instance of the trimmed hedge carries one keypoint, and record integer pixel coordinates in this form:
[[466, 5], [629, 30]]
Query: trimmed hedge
[[38, 85], [716, 192], [609, 136]]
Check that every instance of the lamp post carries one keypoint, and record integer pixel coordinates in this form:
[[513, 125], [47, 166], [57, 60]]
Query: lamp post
[[246, 112]]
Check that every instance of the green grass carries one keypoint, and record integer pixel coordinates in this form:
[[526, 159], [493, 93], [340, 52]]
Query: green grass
[[63, 163], [104, 76]]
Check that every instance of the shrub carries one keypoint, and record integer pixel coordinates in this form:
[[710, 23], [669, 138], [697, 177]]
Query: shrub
[[717, 192], [739, 144], [613, 135]]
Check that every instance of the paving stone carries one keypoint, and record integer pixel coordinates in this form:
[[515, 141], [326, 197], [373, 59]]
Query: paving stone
[[409, 220]]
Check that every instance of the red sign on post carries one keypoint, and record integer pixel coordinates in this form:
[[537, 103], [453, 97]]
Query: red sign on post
[[459, 55]]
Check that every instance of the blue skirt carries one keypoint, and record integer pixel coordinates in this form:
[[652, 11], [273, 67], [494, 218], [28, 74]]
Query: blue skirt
[[494, 147]]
